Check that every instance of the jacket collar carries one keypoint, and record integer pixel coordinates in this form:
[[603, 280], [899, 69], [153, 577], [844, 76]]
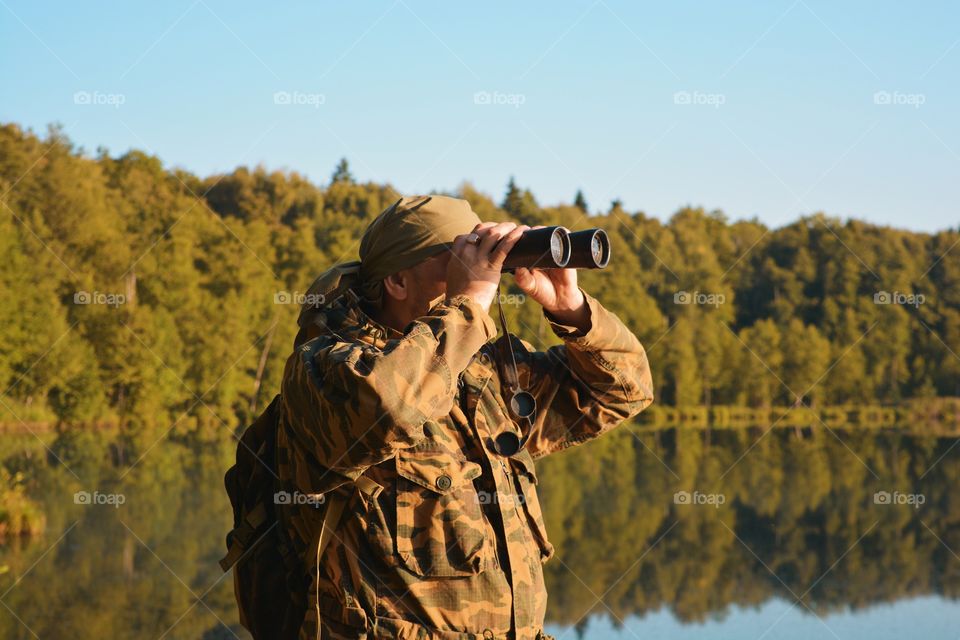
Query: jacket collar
[[345, 318]]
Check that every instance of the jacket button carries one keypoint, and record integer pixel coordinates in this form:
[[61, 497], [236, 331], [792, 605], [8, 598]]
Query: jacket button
[[443, 482], [487, 634]]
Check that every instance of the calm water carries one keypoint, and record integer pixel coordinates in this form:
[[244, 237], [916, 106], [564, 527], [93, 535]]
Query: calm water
[[681, 535]]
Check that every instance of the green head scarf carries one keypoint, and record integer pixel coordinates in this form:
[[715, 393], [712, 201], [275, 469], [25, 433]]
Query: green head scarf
[[406, 233]]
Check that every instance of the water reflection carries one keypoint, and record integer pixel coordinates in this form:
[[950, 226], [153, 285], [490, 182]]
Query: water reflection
[[146, 568], [828, 521], [930, 618], [699, 526]]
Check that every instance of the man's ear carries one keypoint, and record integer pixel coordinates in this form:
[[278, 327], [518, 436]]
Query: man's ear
[[397, 285]]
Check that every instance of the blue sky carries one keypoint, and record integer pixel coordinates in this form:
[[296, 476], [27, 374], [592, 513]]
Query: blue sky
[[768, 109]]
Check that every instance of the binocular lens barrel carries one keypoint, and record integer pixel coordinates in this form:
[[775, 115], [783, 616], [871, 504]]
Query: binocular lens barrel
[[547, 248], [590, 249], [558, 248]]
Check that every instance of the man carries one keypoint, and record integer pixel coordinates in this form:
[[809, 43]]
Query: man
[[391, 404]]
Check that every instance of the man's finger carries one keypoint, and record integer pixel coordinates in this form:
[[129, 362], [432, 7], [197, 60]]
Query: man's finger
[[480, 231], [462, 244], [493, 235], [499, 254], [484, 225]]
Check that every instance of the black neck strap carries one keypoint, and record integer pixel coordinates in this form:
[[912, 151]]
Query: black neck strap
[[510, 375]]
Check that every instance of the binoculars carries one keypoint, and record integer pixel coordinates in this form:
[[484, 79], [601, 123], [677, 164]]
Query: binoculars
[[559, 248], [546, 248]]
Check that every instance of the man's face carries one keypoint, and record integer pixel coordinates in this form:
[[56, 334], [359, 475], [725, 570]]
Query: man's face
[[428, 282]]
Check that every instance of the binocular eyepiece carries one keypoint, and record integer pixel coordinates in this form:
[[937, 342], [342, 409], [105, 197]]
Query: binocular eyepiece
[[559, 248]]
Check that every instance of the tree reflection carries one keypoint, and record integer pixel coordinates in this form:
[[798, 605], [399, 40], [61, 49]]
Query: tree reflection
[[145, 568], [797, 520]]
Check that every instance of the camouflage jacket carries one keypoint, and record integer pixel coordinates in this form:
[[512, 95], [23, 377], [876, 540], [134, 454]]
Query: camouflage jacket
[[452, 541]]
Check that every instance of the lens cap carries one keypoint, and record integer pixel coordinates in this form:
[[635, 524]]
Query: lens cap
[[523, 405], [507, 443]]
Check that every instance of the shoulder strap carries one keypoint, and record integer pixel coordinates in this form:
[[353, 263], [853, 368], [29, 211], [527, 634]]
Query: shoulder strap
[[336, 502], [241, 540]]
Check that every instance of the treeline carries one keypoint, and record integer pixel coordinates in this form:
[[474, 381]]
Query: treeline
[[928, 416], [137, 293]]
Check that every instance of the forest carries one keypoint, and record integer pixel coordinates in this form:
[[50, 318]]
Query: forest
[[147, 313], [134, 294]]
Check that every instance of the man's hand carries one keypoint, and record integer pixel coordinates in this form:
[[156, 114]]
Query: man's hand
[[557, 292], [474, 268]]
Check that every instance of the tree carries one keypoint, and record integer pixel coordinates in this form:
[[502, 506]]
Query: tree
[[342, 173], [760, 362], [580, 202], [513, 199], [521, 204], [806, 359]]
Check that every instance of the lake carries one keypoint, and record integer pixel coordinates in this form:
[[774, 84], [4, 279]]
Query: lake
[[678, 533]]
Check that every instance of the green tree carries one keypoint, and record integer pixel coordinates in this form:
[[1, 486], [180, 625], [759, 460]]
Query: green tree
[[806, 360], [580, 202], [342, 172]]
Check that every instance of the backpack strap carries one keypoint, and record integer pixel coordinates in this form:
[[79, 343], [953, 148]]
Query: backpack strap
[[336, 502], [368, 487], [241, 538]]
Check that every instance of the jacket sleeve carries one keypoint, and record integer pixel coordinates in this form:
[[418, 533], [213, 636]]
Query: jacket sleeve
[[586, 386], [353, 405]]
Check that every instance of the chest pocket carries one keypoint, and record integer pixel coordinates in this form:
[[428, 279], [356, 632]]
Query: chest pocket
[[440, 526], [526, 473]]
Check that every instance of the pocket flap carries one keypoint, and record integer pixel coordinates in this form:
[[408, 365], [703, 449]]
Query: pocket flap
[[522, 461], [439, 470]]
